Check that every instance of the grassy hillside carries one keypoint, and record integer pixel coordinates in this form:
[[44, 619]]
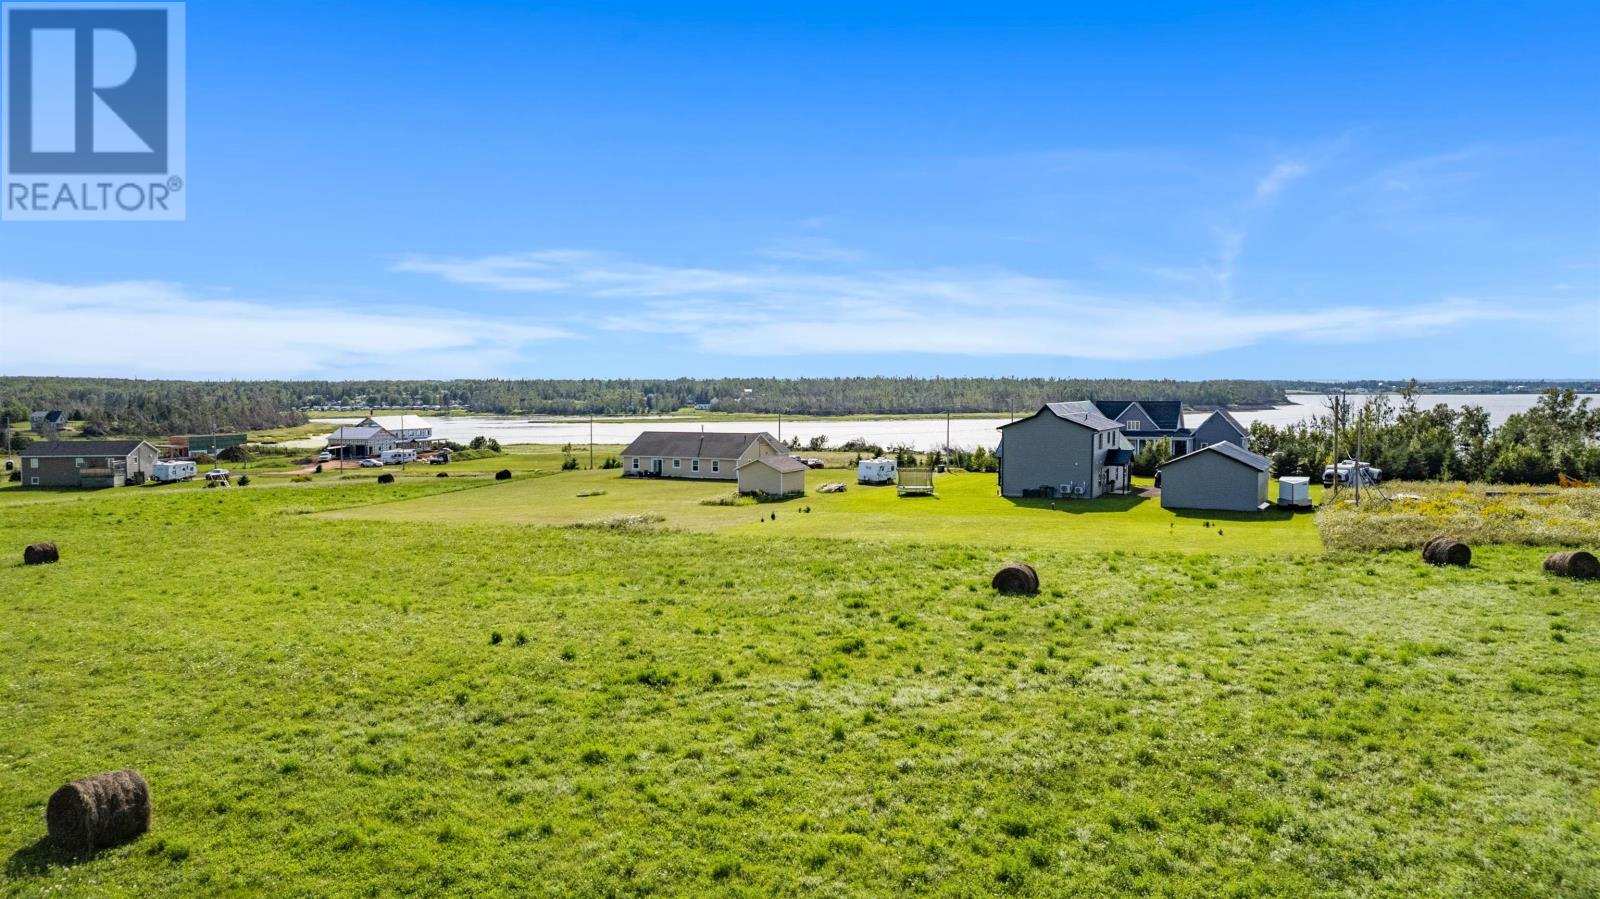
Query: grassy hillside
[[322, 708]]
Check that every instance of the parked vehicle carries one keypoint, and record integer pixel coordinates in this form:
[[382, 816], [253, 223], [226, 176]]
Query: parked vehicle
[[439, 459], [324, 456], [398, 456], [371, 463], [876, 471], [1346, 473], [813, 463], [170, 471], [218, 474]]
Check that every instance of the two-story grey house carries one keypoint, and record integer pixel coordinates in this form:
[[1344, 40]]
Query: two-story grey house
[[87, 463], [1147, 421], [1063, 450]]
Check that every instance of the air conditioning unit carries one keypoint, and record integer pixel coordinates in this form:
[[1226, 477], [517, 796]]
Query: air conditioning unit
[[1077, 489]]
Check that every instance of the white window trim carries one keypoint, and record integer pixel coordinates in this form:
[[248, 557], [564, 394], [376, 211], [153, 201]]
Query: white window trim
[[635, 463], [33, 481], [716, 465], [1134, 423], [677, 463], [694, 465], [33, 463]]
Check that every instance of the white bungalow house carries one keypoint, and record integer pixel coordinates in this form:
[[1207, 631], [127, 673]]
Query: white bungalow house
[[696, 455]]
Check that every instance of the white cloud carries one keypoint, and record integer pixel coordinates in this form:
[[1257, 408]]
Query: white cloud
[[145, 328], [784, 311], [1277, 179]]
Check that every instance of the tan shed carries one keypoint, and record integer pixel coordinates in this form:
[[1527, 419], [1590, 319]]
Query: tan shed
[[773, 475]]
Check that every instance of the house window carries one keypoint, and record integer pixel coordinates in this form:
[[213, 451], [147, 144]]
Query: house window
[[1133, 424], [33, 481], [635, 463], [694, 465], [677, 463], [716, 465], [78, 462], [33, 463]]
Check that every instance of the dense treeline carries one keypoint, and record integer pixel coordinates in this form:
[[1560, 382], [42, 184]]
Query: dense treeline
[[1560, 434], [111, 406], [155, 407], [813, 396]]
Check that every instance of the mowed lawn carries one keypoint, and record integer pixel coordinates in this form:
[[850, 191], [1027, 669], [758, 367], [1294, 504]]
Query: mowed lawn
[[337, 707], [966, 510]]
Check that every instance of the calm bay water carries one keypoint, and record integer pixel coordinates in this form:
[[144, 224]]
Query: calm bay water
[[922, 433]]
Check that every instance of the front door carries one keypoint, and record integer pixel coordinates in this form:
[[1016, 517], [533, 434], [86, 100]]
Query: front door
[[655, 467]]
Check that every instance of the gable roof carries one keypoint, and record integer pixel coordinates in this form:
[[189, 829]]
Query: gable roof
[[785, 464], [55, 449], [1234, 422], [698, 444], [53, 416], [397, 422], [1165, 415], [352, 432], [1081, 412], [1231, 451]]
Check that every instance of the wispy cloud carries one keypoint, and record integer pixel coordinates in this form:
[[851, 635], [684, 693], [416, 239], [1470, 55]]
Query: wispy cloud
[[162, 329], [776, 310], [1276, 180]]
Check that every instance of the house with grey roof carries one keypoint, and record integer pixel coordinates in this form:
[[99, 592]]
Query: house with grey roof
[[88, 463], [1147, 421], [361, 441], [696, 455], [1066, 450], [1220, 476]]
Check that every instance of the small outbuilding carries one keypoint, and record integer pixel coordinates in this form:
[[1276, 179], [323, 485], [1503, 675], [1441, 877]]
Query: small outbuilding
[[1221, 477], [773, 475]]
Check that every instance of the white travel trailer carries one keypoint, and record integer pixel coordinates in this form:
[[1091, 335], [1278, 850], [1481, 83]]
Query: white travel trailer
[[397, 456], [876, 471], [167, 472]]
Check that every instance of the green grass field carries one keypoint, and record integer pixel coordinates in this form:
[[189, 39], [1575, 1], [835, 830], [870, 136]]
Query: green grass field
[[309, 675], [965, 510]]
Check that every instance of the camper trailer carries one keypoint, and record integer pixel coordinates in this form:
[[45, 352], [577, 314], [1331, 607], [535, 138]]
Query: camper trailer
[[167, 472], [397, 456], [876, 471]]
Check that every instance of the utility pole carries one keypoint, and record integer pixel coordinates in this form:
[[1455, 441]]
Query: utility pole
[[591, 441]]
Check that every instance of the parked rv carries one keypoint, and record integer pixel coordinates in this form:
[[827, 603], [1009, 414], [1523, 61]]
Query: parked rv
[[397, 456], [170, 471], [876, 471]]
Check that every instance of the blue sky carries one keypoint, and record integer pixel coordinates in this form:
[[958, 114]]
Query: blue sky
[[1186, 190]]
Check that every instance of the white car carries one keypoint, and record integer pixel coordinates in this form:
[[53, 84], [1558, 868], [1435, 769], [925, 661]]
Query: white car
[[324, 456], [371, 463]]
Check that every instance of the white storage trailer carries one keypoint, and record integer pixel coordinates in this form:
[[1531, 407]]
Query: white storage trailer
[[166, 472], [397, 456], [1294, 492], [876, 471]]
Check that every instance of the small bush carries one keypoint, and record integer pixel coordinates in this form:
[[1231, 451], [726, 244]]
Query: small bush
[[495, 637], [244, 480]]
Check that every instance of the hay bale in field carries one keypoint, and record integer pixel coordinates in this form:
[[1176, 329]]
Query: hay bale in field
[[1447, 551], [1573, 563], [40, 554], [503, 474], [1016, 577], [386, 478], [99, 811], [442, 474]]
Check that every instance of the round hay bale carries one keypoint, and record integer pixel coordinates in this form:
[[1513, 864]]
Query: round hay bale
[[1447, 551], [99, 811], [386, 478], [503, 474], [1016, 577], [442, 474], [1573, 563], [40, 554]]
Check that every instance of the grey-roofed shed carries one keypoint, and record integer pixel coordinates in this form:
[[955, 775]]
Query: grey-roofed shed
[[1221, 477]]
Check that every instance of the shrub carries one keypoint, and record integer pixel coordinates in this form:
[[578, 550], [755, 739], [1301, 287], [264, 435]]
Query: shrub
[[244, 480], [1151, 456], [611, 462], [569, 463]]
